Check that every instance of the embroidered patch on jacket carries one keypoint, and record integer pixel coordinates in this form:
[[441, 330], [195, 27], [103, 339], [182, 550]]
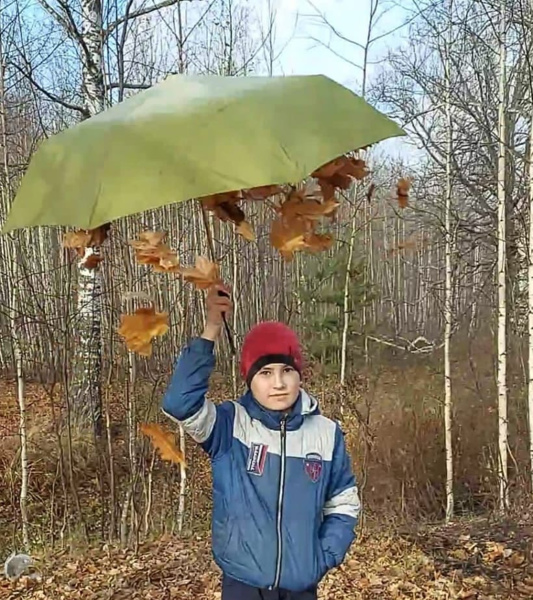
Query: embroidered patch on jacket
[[256, 459], [313, 466]]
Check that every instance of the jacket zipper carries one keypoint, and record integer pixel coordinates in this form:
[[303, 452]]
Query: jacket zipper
[[280, 499]]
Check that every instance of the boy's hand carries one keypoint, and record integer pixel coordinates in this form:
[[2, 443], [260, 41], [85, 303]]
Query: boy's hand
[[216, 306]]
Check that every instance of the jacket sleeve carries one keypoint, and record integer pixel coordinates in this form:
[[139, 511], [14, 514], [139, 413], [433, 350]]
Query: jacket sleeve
[[342, 507], [208, 424]]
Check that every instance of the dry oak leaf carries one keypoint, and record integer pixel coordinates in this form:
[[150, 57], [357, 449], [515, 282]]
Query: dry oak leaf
[[402, 189], [305, 204], [339, 173], [246, 230], [262, 192], [92, 261], [288, 236], [140, 328], [225, 206], [318, 242], [80, 239], [149, 250], [164, 442], [203, 275], [76, 239]]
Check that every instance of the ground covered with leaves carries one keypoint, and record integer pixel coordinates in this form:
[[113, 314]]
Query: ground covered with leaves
[[476, 560]]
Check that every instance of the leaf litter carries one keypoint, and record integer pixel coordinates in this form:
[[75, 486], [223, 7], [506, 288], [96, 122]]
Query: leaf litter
[[464, 561]]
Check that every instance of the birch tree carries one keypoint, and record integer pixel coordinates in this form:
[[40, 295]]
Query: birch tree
[[89, 39], [502, 266], [448, 301], [530, 279]]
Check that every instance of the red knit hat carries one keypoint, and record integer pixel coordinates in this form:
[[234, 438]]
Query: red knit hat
[[267, 343]]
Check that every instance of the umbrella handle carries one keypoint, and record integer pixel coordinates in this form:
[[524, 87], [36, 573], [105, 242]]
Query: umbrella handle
[[226, 326]]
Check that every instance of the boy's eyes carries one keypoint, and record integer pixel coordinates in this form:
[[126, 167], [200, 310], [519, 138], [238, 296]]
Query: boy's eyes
[[285, 370]]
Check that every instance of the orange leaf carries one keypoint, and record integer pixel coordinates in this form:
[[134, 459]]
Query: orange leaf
[[287, 237], [92, 261], [317, 242], [354, 167], [402, 189], [149, 250], [225, 206], [246, 230], [99, 234], [203, 275], [164, 442], [304, 204], [139, 329], [262, 192], [343, 166], [85, 238], [328, 189], [76, 239], [329, 169]]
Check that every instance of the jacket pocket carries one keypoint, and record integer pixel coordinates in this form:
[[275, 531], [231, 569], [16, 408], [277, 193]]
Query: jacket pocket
[[221, 537]]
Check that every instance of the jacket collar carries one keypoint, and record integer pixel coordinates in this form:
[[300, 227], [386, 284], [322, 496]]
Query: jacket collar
[[304, 406]]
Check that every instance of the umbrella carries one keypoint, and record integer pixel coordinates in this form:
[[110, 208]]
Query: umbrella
[[192, 136]]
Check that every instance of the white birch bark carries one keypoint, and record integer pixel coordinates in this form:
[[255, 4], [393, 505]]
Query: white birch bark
[[87, 366], [448, 301], [530, 300], [502, 272]]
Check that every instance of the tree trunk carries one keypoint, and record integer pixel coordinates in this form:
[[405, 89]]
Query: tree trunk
[[87, 369], [530, 298], [448, 301], [502, 272]]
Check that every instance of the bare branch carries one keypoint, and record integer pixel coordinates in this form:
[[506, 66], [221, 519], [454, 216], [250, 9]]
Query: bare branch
[[27, 74], [139, 13]]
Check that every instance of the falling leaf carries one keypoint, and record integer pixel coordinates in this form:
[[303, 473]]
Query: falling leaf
[[327, 188], [318, 242], [301, 204], [203, 275], [354, 167], [164, 442], [370, 192], [139, 329], [329, 169], [92, 261], [402, 187], [225, 206], [287, 237], [81, 239], [78, 240], [149, 250], [99, 234], [262, 192], [246, 230], [341, 168]]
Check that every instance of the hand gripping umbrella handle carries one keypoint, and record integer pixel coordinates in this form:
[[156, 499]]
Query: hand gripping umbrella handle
[[226, 326]]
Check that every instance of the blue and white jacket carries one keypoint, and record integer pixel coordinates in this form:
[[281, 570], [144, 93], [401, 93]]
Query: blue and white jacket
[[285, 501]]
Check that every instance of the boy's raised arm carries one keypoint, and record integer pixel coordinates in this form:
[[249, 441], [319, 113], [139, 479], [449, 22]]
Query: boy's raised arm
[[342, 507], [185, 401]]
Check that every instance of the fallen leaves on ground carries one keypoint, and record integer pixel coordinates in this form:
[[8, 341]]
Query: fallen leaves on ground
[[164, 442], [379, 567], [140, 328]]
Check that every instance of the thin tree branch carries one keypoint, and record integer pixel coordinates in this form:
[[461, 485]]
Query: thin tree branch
[[139, 13], [48, 94]]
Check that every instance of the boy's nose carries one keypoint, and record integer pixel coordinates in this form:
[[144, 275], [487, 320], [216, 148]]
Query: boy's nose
[[279, 382]]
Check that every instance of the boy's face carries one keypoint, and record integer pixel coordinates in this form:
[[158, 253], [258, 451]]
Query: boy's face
[[276, 386]]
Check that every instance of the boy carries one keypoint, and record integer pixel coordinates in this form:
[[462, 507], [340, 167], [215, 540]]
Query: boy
[[285, 501]]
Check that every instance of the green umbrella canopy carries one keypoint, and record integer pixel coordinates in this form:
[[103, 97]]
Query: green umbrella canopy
[[191, 136]]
